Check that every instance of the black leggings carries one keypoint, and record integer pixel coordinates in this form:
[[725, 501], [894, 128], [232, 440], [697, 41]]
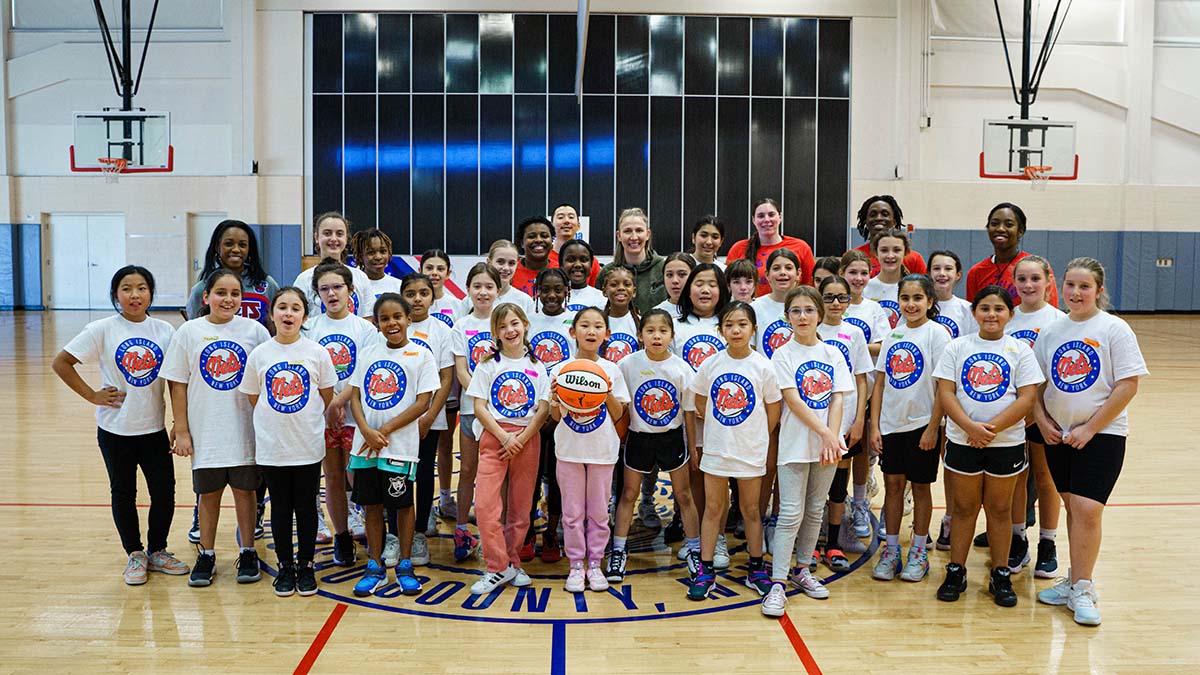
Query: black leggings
[[294, 493], [426, 459], [122, 457], [548, 472]]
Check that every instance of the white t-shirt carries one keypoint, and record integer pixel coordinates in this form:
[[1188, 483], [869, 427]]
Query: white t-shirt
[[385, 284], [446, 309], [887, 297], [588, 296], [736, 393], [870, 318], [435, 337], [852, 345], [696, 340], [289, 419], [1082, 361], [774, 331], [211, 359], [670, 308], [550, 337], [346, 339], [816, 373], [986, 375], [389, 381], [955, 314], [511, 387], [362, 299], [513, 295], [907, 359], [623, 340], [590, 438], [658, 392], [130, 356], [1025, 326]]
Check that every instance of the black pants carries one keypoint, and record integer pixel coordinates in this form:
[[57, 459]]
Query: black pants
[[548, 472], [427, 459], [294, 493], [122, 457]]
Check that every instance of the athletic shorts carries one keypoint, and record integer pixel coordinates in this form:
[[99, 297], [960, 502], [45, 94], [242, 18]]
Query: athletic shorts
[[467, 424], [902, 455], [1033, 434], [854, 451], [1091, 472], [643, 451], [339, 439], [374, 486], [238, 477], [1001, 462]]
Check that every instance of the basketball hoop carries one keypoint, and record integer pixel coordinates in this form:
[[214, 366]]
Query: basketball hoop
[[112, 167], [1038, 177]]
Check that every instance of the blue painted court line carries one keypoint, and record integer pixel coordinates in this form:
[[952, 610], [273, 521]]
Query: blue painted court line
[[558, 649]]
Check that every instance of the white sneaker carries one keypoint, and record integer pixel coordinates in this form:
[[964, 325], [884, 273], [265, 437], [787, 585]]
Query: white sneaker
[[354, 523], [520, 578], [721, 554], [917, 565], [595, 577], [861, 518], [576, 580], [809, 584], [1058, 594], [682, 553], [420, 550], [908, 503], [431, 527], [1083, 602], [775, 602], [846, 539], [888, 565], [447, 507], [493, 580], [324, 536], [391, 550], [872, 483]]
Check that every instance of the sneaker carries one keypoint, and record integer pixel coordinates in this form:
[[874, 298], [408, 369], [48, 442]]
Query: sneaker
[[648, 514], [551, 551], [683, 552], [391, 550], [908, 502], [703, 584], [431, 525], [1018, 554], [860, 513], [285, 580], [343, 550], [354, 523], [889, 564], [981, 540], [731, 520], [1059, 593], [1082, 601], [721, 555], [575, 579], [693, 563], [447, 507], [1047, 559], [521, 579], [247, 567], [673, 534], [259, 512], [847, 539], [813, 561], [527, 551], [917, 565], [407, 578], [774, 604], [465, 544], [194, 531], [324, 535], [165, 562], [135, 569], [306, 579], [872, 484], [595, 577], [373, 579], [769, 525], [614, 571], [759, 581], [1000, 586], [811, 586], [493, 580], [836, 560], [202, 572], [943, 540], [955, 583], [420, 550], [881, 531]]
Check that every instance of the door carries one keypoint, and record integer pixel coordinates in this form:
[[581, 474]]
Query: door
[[85, 250], [200, 228]]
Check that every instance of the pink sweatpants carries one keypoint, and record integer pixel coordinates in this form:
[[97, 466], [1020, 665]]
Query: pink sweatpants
[[586, 489], [502, 540]]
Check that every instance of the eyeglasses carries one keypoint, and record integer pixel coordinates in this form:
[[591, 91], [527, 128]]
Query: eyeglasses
[[830, 299], [337, 288], [797, 312]]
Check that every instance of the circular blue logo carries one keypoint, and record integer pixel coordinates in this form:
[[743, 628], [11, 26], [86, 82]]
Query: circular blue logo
[[1076, 367], [287, 387], [384, 385], [139, 359], [1026, 335], [854, 320], [577, 306], [949, 323], [586, 423], [893, 311], [845, 350], [479, 346], [733, 399], [619, 346], [343, 352], [775, 336], [419, 341], [904, 365], [513, 394], [699, 347], [814, 380], [444, 318], [222, 364], [656, 402], [985, 377], [550, 347]]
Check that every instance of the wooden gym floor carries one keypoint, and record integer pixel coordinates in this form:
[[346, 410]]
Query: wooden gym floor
[[69, 611]]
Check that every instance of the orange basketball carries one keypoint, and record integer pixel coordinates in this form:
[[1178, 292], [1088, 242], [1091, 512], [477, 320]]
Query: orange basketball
[[582, 386]]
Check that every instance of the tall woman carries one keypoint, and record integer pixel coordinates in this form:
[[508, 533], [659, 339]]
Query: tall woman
[[635, 248], [1006, 224], [766, 239]]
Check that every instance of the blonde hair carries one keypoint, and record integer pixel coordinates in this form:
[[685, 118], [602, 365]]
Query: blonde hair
[[1040, 262], [499, 244], [619, 251], [499, 316], [1097, 270]]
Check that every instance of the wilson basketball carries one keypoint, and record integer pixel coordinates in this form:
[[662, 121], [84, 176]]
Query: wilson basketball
[[582, 386]]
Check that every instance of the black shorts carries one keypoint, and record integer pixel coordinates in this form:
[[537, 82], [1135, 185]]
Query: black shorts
[[215, 479], [902, 455], [666, 450], [374, 486], [1034, 435], [1002, 462], [854, 451], [1091, 472]]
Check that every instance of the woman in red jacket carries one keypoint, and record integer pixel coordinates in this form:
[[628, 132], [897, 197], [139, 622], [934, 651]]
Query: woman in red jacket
[[768, 238]]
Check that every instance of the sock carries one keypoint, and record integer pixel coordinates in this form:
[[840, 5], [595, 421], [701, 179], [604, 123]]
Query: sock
[[919, 542], [247, 548], [893, 540], [756, 563], [1019, 529], [860, 492], [693, 544], [210, 551], [707, 564], [619, 543], [444, 494], [832, 536], [1047, 534], [463, 528]]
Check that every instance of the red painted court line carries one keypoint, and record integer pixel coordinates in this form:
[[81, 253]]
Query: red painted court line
[[88, 506], [314, 650], [810, 664]]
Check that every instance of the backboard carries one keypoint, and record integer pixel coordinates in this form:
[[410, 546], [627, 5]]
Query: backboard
[[142, 138], [1010, 145]]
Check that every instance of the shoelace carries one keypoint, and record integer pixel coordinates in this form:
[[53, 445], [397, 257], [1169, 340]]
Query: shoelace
[[135, 563]]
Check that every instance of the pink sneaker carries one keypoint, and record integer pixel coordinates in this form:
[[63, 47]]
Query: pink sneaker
[[167, 563], [595, 577], [135, 569], [575, 580]]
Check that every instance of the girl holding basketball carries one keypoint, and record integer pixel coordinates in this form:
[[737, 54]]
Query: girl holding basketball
[[586, 446], [435, 264], [675, 273], [372, 253], [890, 247], [331, 235], [503, 257], [576, 258], [620, 289]]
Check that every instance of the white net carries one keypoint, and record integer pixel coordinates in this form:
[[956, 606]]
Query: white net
[[1039, 177], [112, 167]]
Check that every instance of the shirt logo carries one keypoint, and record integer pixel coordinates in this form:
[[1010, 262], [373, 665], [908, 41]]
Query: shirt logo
[[421, 343], [586, 423], [550, 347], [814, 380], [255, 304], [854, 320], [619, 346], [222, 364], [513, 394], [698, 348], [985, 377], [1026, 335], [444, 317], [344, 353], [479, 346], [893, 311], [656, 402], [733, 399], [1076, 367], [139, 359], [775, 336], [905, 364], [845, 350], [287, 387], [384, 385], [950, 324]]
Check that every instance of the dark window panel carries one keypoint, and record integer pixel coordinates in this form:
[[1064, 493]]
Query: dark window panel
[[599, 59], [834, 60], [428, 159], [462, 53], [833, 168], [562, 183], [360, 52], [633, 54], [666, 55], [767, 66], [495, 169], [395, 161], [699, 163], [800, 79], [496, 53], [395, 31], [529, 156], [427, 60], [766, 150], [529, 35], [733, 165], [733, 54], [700, 53], [799, 167], [633, 141], [361, 160], [462, 174], [562, 43], [327, 53], [666, 177], [327, 153], [599, 162]]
